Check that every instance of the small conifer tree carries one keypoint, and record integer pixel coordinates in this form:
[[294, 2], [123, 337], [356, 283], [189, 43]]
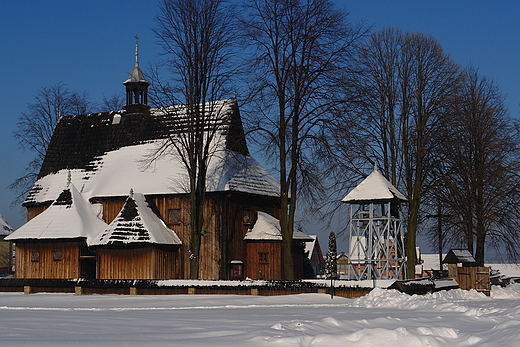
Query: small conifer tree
[[331, 265]]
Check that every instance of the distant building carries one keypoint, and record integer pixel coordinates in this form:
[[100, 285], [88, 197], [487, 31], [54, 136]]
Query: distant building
[[6, 248], [315, 255], [343, 264]]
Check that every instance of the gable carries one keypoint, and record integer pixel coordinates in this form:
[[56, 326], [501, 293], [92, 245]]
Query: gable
[[136, 223]]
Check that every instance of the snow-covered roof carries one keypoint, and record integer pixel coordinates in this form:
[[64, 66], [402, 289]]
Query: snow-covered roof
[[105, 158], [309, 246], [431, 261], [5, 228], [458, 256], [267, 228], [120, 169], [70, 216], [136, 223], [374, 188]]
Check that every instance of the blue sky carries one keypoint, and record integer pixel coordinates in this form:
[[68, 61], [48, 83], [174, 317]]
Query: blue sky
[[89, 46]]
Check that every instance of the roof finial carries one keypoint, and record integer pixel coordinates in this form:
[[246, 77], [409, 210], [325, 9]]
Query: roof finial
[[375, 166], [131, 192], [136, 50], [68, 179]]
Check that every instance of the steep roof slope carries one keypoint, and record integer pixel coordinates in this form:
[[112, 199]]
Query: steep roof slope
[[136, 223], [107, 153], [374, 188], [267, 228], [70, 216]]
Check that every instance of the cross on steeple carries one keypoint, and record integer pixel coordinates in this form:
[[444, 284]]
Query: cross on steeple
[[136, 50]]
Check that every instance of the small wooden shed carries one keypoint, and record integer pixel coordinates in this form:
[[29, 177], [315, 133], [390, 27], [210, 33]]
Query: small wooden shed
[[468, 276]]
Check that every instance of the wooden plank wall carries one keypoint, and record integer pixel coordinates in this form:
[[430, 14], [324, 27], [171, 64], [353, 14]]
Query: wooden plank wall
[[34, 211], [474, 278], [5, 254], [46, 266], [209, 267], [136, 263], [272, 270], [224, 228]]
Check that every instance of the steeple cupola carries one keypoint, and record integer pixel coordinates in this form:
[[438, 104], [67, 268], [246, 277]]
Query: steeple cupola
[[136, 86]]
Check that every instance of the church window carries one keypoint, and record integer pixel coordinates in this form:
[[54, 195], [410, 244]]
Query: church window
[[263, 257], [35, 256], [175, 216], [58, 255]]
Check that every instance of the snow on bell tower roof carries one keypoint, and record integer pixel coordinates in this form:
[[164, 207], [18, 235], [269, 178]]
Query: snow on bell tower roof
[[374, 188]]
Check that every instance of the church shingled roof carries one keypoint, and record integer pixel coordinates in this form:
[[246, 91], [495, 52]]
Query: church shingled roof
[[105, 153]]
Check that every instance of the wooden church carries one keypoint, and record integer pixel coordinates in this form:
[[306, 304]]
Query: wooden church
[[101, 209]]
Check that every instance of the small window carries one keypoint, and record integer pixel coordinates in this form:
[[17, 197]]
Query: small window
[[35, 256], [263, 257], [58, 254], [247, 217], [174, 216]]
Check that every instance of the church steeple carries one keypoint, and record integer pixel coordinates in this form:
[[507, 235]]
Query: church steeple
[[136, 86]]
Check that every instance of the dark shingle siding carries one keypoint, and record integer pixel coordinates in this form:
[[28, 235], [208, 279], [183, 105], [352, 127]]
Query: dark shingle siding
[[79, 140]]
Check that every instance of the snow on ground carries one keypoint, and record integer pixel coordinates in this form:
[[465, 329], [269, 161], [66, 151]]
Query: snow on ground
[[382, 318]]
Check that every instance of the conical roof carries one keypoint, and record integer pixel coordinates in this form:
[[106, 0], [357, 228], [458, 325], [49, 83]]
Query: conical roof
[[374, 188], [136, 223], [69, 216], [136, 76]]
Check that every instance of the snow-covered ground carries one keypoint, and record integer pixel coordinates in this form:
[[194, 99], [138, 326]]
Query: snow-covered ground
[[382, 318]]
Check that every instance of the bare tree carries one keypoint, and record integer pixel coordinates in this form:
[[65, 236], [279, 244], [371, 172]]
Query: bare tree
[[404, 85], [430, 81], [482, 162], [300, 53], [196, 36], [114, 102], [36, 125]]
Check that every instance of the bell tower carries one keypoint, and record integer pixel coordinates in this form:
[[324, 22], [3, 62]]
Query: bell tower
[[136, 87], [377, 248]]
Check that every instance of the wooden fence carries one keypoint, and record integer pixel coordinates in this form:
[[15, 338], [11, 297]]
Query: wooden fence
[[151, 287], [476, 277]]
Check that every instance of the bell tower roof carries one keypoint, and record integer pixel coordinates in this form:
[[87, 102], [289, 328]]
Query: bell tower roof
[[136, 87], [136, 75]]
